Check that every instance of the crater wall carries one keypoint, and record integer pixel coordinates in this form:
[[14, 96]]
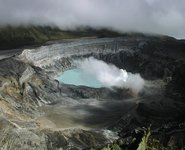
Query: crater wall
[[132, 54]]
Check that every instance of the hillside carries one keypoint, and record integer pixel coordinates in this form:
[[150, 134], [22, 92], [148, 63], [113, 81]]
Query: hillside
[[16, 37]]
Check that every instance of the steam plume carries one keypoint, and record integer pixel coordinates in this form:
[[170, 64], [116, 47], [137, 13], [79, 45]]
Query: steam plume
[[111, 76]]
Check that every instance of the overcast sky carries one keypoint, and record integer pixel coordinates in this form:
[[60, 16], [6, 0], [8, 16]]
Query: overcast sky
[[151, 16]]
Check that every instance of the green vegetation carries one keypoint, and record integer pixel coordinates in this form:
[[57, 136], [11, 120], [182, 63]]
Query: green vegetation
[[112, 147], [16, 37]]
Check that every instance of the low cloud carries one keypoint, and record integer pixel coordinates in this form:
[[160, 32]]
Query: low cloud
[[149, 16]]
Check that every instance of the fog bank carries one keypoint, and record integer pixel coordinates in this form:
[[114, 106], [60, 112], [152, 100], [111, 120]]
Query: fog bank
[[148, 16]]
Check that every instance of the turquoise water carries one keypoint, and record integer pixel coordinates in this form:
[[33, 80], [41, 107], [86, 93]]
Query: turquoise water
[[78, 77]]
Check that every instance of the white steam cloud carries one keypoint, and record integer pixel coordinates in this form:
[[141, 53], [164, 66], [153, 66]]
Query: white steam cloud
[[111, 76], [149, 16]]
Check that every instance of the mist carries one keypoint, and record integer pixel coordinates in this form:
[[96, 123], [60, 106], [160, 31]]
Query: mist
[[111, 76], [148, 16]]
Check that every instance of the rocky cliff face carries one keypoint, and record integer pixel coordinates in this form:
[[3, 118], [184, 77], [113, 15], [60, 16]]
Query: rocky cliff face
[[38, 112]]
